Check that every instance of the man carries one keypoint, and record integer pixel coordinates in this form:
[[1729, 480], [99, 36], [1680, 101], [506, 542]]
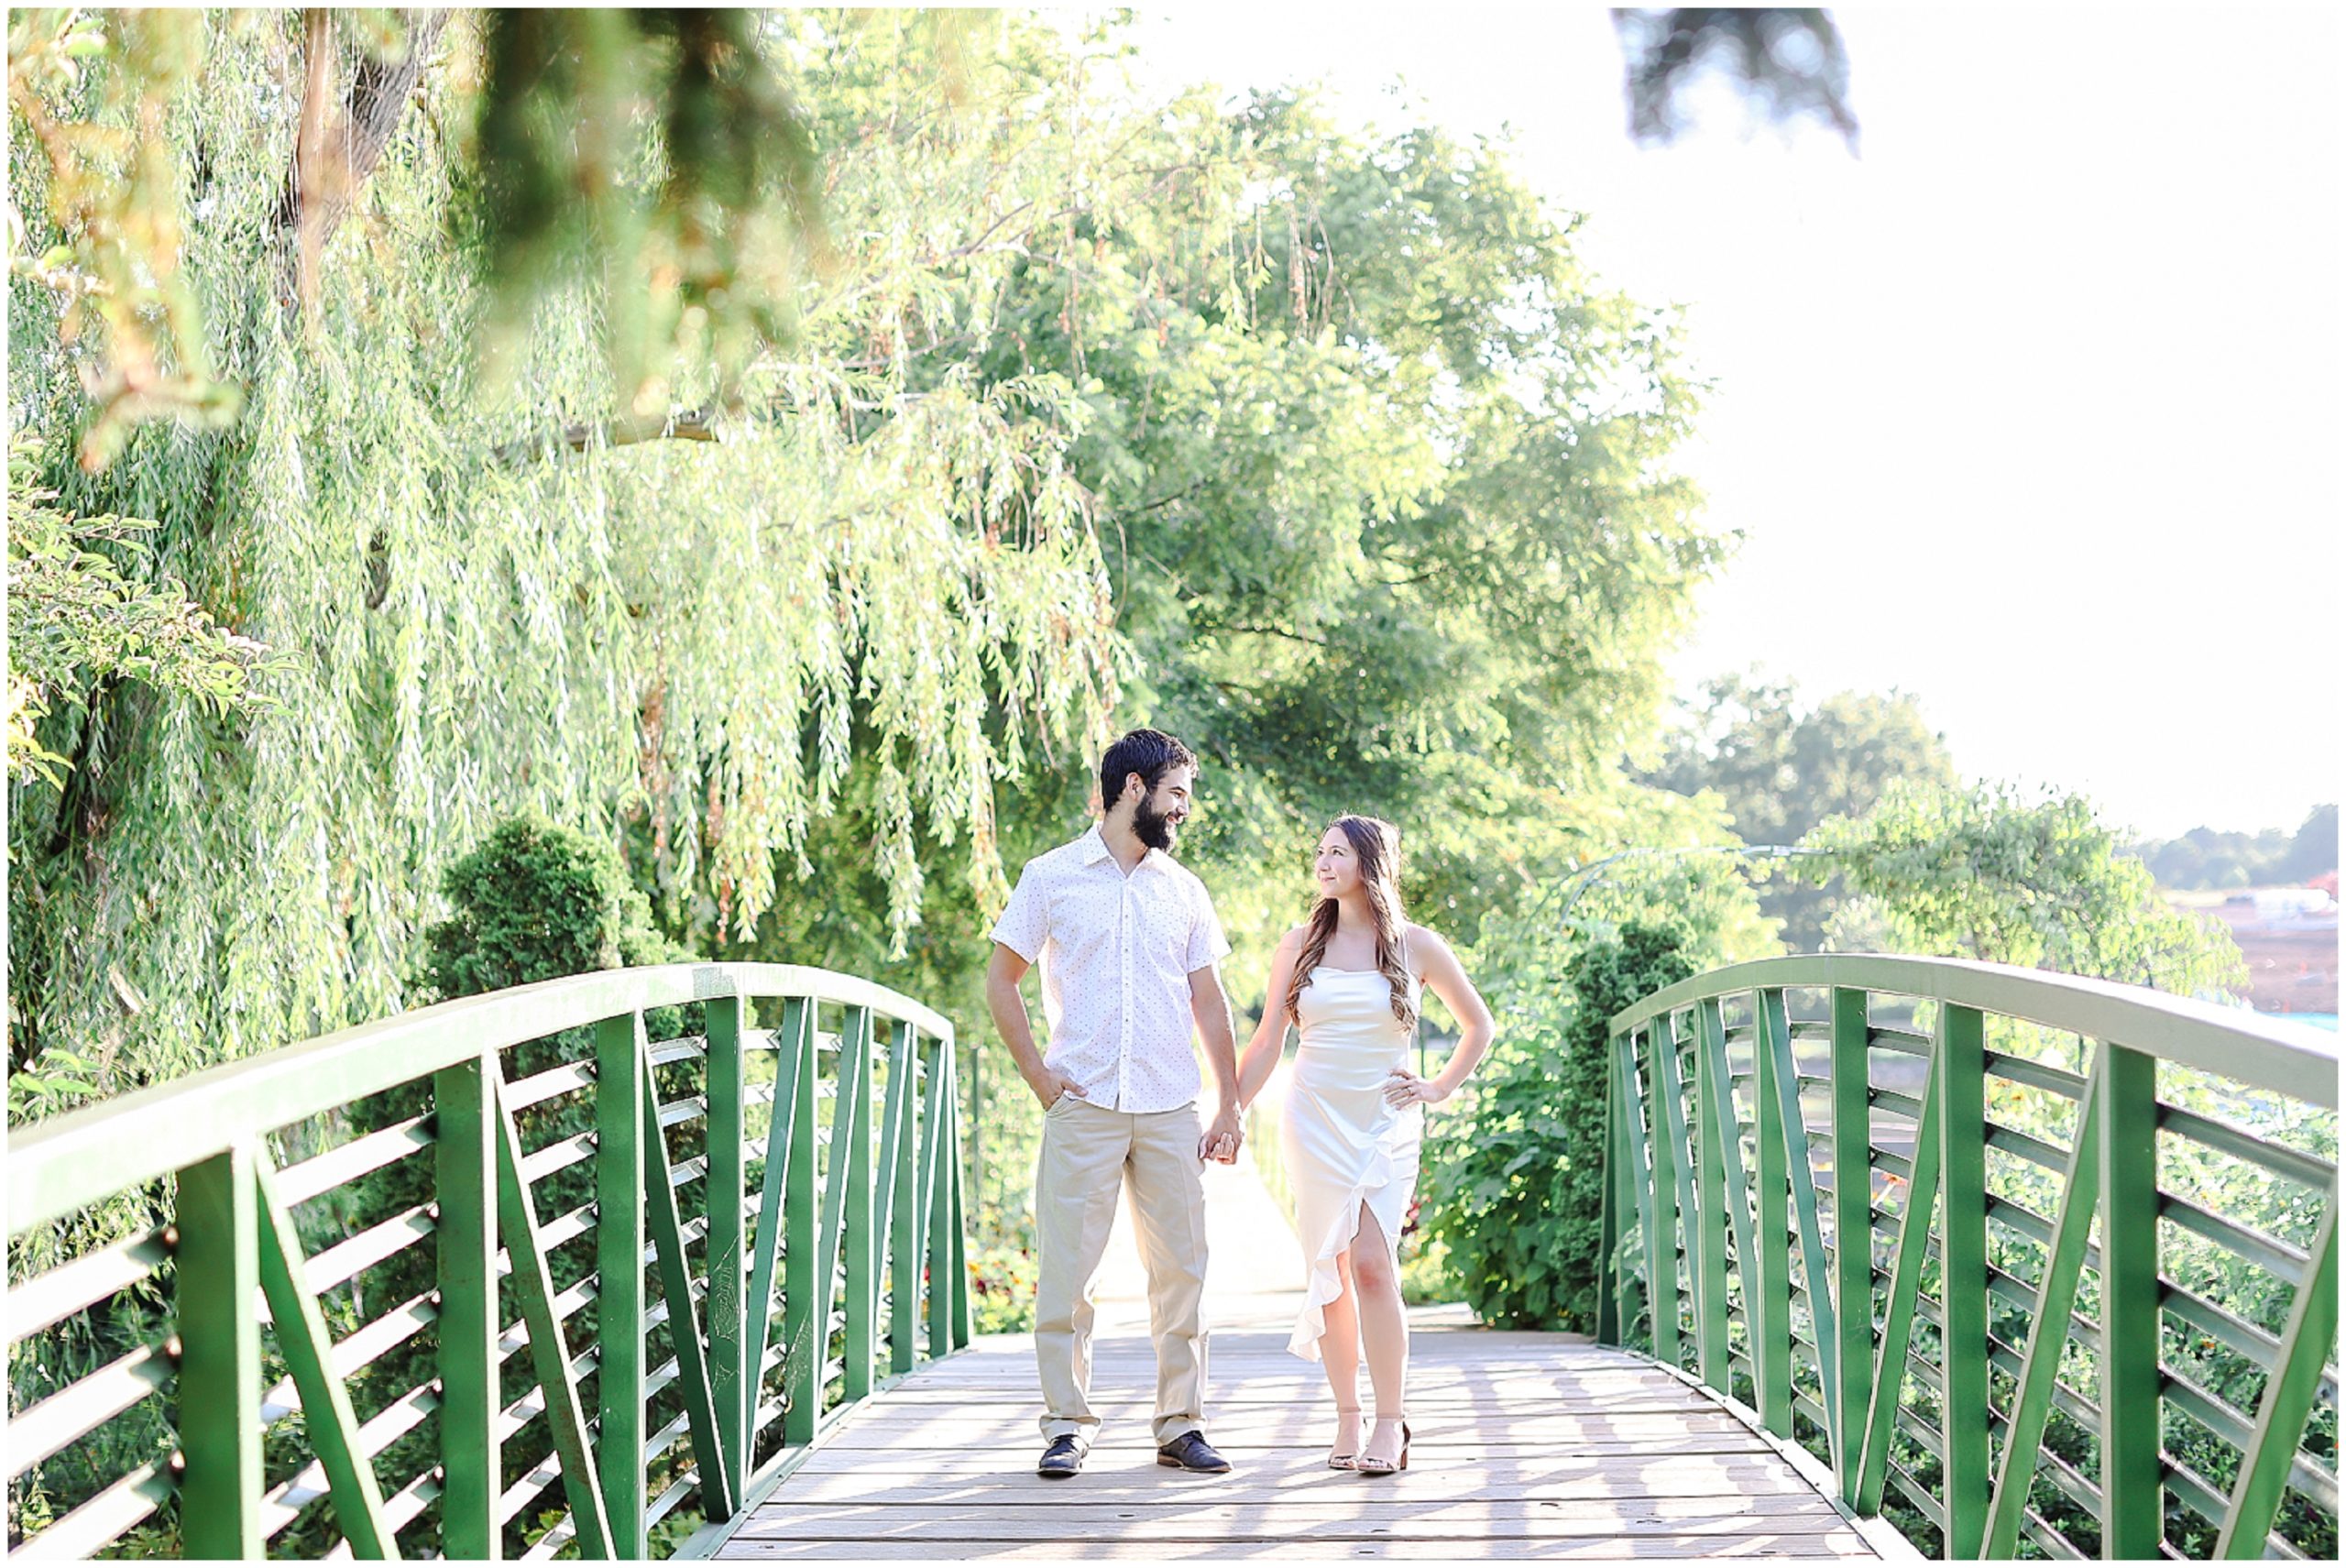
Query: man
[[1128, 942]]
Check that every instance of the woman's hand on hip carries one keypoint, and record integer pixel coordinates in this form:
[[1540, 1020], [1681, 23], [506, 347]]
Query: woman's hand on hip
[[1403, 1086]]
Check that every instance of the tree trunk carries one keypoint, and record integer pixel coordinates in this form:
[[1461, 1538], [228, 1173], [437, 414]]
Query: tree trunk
[[331, 161]]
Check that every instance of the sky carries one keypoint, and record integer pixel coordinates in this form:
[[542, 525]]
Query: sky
[[2032, 409]]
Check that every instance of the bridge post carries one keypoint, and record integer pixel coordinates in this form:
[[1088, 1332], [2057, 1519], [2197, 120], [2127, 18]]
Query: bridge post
[[1962, 1067], [1661, 1172], [862, 1287], [2134, 1510], [722, 1207], [1608, 1204], [957, 1233], [806, 1312], [1768, 1273], [1852, 1229], [1709, 1238], [619, 1285], [217, 1281], [905, 1248], [466, 1181], [936, 1105]]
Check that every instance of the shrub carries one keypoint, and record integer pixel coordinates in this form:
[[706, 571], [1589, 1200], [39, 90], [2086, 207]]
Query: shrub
[[1514, 1191], [537, 902]]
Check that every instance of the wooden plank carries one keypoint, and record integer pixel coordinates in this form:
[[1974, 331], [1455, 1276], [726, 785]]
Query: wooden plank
[[1524, 1444], [1839, 1543], [946, 1433], [846, 1524], [1119, 1449], [1130, 1486], [1422, 1519]]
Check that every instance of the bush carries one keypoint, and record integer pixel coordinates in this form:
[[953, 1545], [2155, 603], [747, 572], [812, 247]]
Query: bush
[[1514, 1191], [537, 902]]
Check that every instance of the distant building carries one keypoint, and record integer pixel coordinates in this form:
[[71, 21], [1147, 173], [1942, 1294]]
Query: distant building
[[2288, 937]]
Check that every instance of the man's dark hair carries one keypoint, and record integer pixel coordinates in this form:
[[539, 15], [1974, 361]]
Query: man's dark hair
[[1151, 753]]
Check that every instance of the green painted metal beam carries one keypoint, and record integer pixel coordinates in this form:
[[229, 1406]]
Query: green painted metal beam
[[855, 1233], [1709, 1238], [936, 1109], [2307, 1342], [565, 1418], [2133, 1492], [899, 1233], [1774, 1036], [464, 1151], [2049, 1330], [957, 1209], [1612, 1316], [1716, 1089], [807, 1294], [1898, 1310], [2287, 1059], [717, 1488], [1670, 1095], [721, 1197], [1663, 1204], [1961, 1064], [1640, 1177], [618, 1269], [794, 1087], [217, 1282], [330, 1425], [1852, 1233], [67, 1162]]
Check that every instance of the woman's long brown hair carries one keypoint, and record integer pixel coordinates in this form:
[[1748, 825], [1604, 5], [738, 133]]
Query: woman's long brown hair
[[1376, 844]]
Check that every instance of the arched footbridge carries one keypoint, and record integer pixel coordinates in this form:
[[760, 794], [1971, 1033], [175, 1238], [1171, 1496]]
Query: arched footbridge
[[671, 1262]]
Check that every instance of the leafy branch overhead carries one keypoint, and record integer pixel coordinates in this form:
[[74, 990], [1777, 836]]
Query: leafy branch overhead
[[658, 158], [76, 618]]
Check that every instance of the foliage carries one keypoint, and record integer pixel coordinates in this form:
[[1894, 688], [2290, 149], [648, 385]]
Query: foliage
[[1002, 1288], [687, 632], [126, 313], [75, 617], [1517, 1200], [536, 901], [711, 259], [1789, 62], [1781, 769], [693, 201], [1984, 873], [2206, 859]]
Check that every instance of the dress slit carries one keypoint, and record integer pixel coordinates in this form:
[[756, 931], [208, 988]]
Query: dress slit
[[1338, 1129]]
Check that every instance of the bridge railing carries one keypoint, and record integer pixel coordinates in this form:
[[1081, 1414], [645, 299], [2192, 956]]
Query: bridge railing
[[588, 1229], [2094, 1310]]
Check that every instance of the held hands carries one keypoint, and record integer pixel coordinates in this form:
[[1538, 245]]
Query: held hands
[[1221, 1139], [1403, 1086]]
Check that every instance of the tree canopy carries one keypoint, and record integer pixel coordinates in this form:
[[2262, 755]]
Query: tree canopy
[[1319, 447], [1782, 767]]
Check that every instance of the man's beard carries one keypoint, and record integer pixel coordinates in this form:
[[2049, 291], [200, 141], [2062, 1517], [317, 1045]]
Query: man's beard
[[1157, 830]]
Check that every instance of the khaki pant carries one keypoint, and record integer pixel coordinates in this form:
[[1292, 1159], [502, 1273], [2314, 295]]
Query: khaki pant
[[1089, 1154]]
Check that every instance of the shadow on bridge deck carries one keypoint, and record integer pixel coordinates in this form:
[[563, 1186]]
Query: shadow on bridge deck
[[1526, 1445]]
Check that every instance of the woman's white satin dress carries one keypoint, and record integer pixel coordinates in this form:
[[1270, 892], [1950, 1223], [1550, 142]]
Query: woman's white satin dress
[[1344, 1145]]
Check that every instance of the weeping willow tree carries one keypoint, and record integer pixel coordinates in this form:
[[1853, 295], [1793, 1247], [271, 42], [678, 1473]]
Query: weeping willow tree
[[482, 590]]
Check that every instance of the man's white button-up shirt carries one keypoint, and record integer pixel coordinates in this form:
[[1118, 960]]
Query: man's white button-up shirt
[[1116, 951]]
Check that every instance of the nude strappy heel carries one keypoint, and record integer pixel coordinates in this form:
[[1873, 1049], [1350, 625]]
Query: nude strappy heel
[[1344, 1461], [1363, 1465]]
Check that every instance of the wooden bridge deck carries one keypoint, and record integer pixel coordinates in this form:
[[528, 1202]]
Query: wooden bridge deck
[[1526, 1445]]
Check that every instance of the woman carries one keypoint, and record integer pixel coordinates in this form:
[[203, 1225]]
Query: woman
[[1349, 979]]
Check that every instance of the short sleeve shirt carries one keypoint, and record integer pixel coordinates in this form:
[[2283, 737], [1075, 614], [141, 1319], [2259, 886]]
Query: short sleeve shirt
[[1116, 951]]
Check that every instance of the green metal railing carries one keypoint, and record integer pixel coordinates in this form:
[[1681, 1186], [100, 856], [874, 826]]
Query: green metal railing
[[810, 1267], [2094, 1312]]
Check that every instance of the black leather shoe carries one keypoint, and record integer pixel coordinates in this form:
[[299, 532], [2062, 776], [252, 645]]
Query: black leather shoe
[[1061, 1459], [1191, 1452]]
